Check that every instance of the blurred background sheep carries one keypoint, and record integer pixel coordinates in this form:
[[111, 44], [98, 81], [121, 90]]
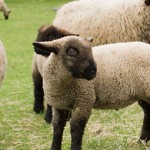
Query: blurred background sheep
[[4, 9], [107, 21]]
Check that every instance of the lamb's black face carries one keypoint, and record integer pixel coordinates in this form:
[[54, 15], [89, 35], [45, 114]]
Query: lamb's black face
[[80, 63]]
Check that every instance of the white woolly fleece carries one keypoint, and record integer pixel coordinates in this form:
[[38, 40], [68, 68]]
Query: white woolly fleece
[[107, 21]]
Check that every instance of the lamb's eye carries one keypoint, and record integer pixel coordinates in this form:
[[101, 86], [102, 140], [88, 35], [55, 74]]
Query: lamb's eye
[[72, 52]]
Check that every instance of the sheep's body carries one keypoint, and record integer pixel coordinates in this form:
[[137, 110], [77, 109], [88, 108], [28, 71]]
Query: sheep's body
[[4, 9], [123, 77], [3, 62], [110, 21]]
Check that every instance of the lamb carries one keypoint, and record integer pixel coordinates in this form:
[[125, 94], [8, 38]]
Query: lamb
[[4, 9], [45, 33], [3, 63], [110, 21], [78, 78]]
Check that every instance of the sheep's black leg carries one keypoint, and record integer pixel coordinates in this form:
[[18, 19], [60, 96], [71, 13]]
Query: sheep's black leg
[[38, 93], [77, 131], [145, 133], [78, 122], [59, 121], [48, 116]]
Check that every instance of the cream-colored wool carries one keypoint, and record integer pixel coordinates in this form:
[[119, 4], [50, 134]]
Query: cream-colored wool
[[3, 62], [107, 21], [123, 74]]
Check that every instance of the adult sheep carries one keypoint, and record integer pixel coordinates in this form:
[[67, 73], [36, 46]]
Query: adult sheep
[[123, 77], [3, 62], [110, 21], [4, 9], [45, 33]]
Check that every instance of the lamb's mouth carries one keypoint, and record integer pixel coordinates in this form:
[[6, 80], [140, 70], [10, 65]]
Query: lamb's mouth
[[89, 74]]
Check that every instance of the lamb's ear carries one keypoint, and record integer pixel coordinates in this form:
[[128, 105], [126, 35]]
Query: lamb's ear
[[45, 48]]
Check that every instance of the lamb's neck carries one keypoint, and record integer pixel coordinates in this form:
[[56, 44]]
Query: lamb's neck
[[61, 82]]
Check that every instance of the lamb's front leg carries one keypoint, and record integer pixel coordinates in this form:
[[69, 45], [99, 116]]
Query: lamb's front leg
[[79, 119], [59, 121], [145, 134]]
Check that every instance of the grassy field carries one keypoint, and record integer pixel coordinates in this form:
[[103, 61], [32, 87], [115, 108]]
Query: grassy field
[[20, 127]]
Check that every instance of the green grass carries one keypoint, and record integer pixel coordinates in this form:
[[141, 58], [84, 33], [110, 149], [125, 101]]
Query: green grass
[[20, 127]]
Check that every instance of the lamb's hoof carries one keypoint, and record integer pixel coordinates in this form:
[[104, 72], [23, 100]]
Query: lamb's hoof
[[38, 110], [144, 138], [48, 119]]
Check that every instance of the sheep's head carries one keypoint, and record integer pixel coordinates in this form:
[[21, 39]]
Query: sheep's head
[[75, 53], [49, 33]]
